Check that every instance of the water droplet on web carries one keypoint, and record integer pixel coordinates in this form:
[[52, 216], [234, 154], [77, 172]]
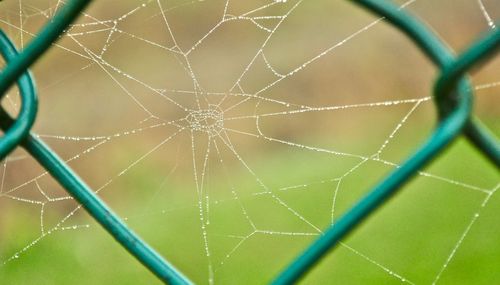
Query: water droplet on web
[[210, 121]]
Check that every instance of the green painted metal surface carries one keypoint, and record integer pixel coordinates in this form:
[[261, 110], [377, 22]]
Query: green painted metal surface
[[452, 93]]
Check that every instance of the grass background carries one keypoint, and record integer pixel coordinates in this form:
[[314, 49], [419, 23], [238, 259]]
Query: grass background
[[411, 236]]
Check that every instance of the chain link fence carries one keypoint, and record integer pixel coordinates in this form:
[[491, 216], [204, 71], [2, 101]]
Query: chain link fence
[[452, 93]]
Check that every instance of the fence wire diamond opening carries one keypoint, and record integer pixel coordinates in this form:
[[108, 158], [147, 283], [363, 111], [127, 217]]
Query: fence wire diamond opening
[[212, 119]]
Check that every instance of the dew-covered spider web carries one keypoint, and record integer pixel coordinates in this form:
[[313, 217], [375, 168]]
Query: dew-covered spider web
[[229, 134]]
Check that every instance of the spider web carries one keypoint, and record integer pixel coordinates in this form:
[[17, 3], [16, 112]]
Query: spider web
[[230, 133]]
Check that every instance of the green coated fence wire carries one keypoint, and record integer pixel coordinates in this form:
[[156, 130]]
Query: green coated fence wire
[[454, 100], [27, 114], [16, 132], [452, 93]]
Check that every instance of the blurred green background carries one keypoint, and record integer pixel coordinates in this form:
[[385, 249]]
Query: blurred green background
[[296, 138]]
